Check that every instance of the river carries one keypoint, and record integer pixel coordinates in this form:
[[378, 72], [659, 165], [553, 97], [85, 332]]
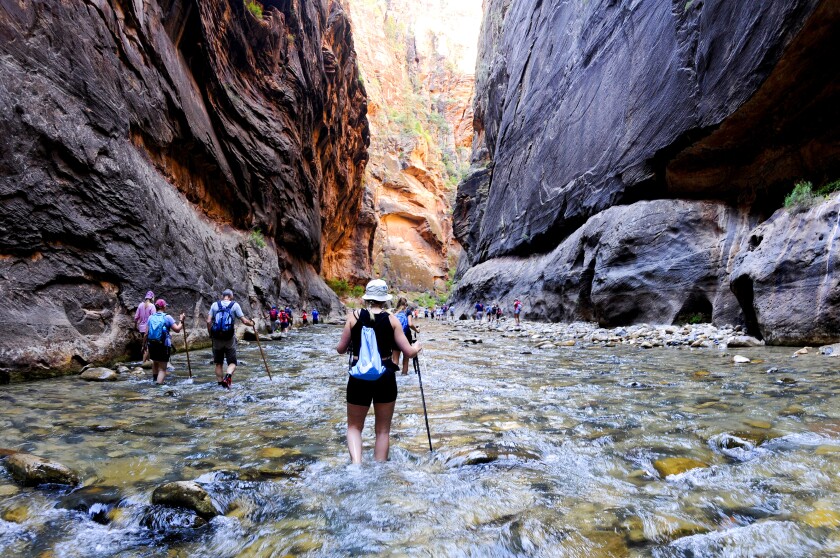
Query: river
[[543, 454]]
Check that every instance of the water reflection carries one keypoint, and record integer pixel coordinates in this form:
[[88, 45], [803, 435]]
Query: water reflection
[[551, 453]]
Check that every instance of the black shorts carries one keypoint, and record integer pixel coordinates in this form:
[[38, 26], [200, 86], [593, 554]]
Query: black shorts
[[362, 392], [225, 353], [158, 352]]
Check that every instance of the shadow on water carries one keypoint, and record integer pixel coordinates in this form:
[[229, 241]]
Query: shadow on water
[[553, 453]]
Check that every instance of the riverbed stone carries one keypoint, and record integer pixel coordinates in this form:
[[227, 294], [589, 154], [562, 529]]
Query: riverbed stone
[[99, 375], [743, 341], [676, 465], [186, 494], [830, 350], [31, 470], [827, 449], [278, 453], [96, 501], [16, 514], [761, 424], [792, 411], [738, 359], [820, 518]]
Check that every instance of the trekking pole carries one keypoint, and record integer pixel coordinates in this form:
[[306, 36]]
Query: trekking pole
[[187, 350], [257, 335], [423, 396]]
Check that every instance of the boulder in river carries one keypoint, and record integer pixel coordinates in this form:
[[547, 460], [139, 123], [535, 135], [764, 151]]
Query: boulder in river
[[96, 501], [99, 375], [676, 465], [32, 470], [186, 494], [743, 341], [738, 359]]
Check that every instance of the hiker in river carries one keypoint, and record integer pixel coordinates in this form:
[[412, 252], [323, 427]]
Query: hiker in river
[[159, 325], [303, 319], [284, 321], [315, 316], [273, 315], [220, 325], [403, 314], [289, 316], [381, 385], [517, 309], [141, 317], [479, 311]]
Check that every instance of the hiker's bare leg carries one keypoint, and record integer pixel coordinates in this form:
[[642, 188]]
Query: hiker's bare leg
[[355, 424], [160, 371], [384, 412], [404, 365], [231, 369], [219, 375]]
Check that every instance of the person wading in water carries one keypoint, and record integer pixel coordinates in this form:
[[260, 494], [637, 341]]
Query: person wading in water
[[141, 318], [220, 325], [382, 391]]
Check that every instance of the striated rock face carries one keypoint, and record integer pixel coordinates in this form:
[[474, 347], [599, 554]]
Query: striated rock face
[[143, 142], [583, 109], [416, 59], [786, 275]]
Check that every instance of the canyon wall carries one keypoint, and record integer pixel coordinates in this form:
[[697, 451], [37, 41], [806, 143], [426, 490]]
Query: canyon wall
[[175, 145], [629, 158], [417, 60]]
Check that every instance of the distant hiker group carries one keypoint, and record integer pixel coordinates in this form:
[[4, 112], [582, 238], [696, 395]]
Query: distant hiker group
[[495, 312], [155, 324]]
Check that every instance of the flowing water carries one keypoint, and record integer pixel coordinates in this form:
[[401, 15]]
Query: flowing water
[[544, 454]]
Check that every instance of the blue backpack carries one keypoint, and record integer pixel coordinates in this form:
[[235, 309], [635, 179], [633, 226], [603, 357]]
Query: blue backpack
[[222, 327], [369, 366], [403, 318], [156, 332]]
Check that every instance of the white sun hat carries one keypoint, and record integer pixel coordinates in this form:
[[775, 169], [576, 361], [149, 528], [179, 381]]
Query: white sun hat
[[377, 290]]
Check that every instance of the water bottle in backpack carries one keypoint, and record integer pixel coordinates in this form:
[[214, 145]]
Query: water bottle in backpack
[[222, 327]]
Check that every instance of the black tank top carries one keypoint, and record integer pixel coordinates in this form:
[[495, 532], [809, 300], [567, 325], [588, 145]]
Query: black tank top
[[381, 324]]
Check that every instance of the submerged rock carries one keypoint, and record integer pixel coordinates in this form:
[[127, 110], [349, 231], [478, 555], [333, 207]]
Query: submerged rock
[[186, 494], [17, 514], [676, 465], [32, 470], [96, 501], [99, 375]]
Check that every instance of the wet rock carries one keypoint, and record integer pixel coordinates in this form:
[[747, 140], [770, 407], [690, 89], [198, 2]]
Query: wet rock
[[16, 514], [792, 411], [95, 501], [32, 470], [8, 490], [277, 453], [123, 369], [802, 351], [676, 465], [827, 450], [743, 341], [474, 340], [99, 375], [822, 518], [830, 350], [165, 520], [787, 381], [738, 359], [760, 424], [185, 494]]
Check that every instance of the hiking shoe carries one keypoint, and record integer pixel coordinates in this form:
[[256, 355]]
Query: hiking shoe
[[221, 384], [227, 381]]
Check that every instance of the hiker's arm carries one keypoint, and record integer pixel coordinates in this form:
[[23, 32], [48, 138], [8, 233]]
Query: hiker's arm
[[402, 343], [177, 328], [344, 342], [209, 321], [246, 321]]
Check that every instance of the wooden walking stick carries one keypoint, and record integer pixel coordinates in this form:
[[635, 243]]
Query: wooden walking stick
[[187, 350], [257, 335]]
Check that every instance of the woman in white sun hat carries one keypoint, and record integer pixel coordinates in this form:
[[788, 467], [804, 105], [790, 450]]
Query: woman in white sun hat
[[382, 392]]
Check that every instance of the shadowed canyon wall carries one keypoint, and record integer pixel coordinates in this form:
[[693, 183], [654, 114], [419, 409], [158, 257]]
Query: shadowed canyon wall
[[631, 161], [181, 146], [417, 59]]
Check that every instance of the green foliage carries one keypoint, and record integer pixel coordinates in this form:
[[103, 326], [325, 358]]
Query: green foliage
[[254, 7], [257, 239], [343, 289], [801, 197], [696, 319], [828, 189]]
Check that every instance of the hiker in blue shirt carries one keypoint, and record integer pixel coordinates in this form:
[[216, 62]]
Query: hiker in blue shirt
[[315, 316], [160, 343]]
